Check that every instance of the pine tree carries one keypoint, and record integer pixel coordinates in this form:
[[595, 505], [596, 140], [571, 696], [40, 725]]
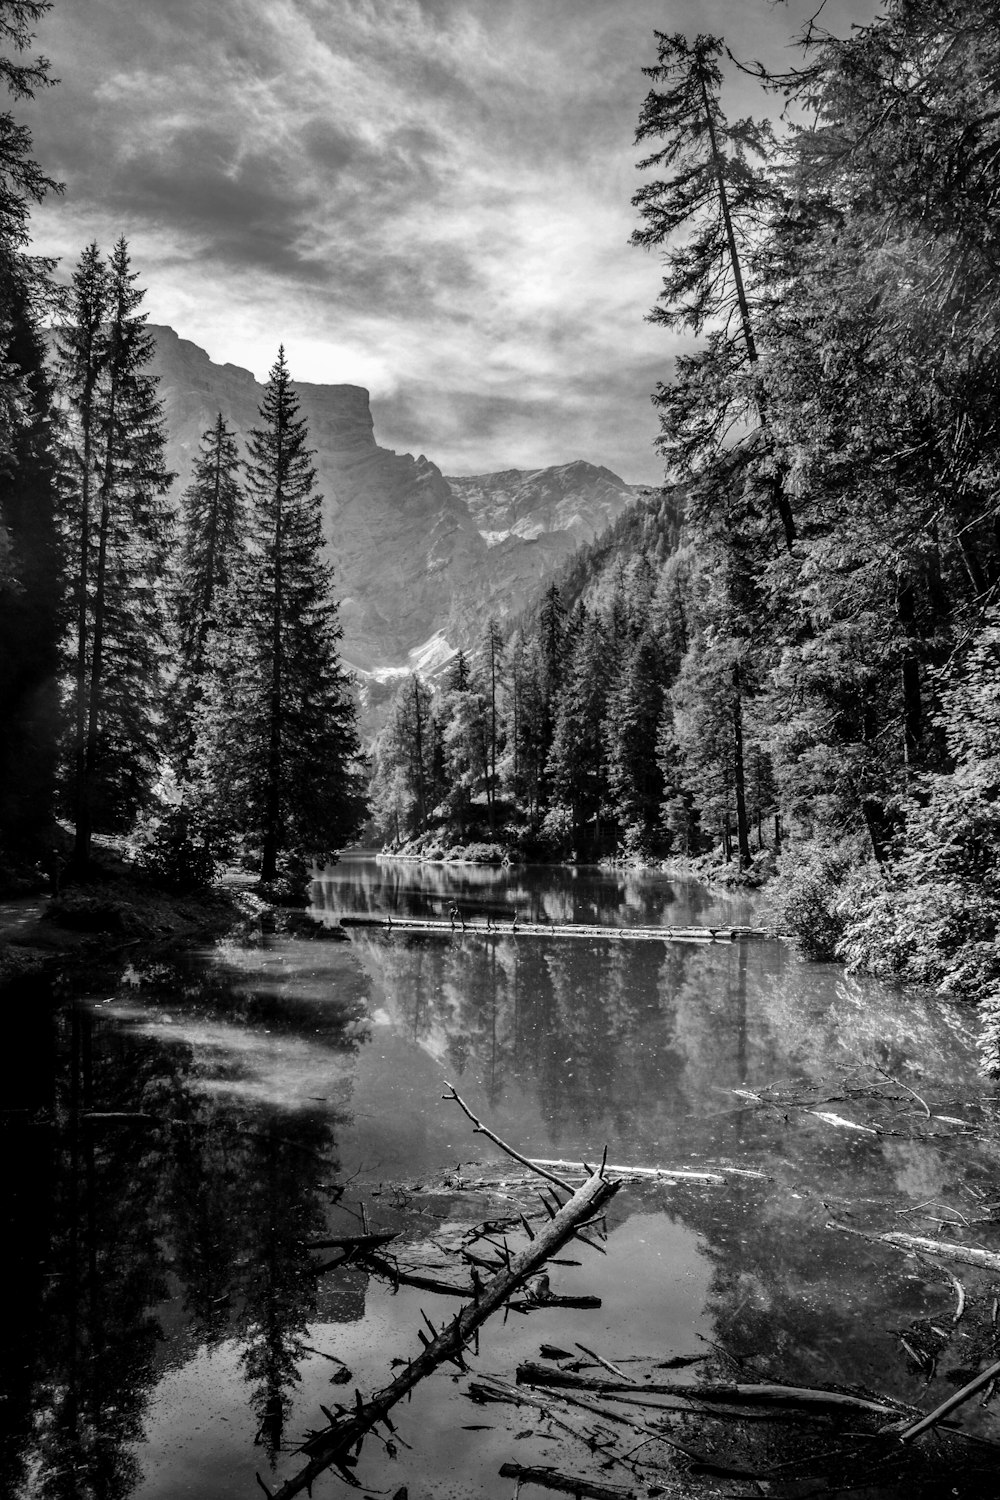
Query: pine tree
[[577, 764], [406, 778], [715, 191], [634, 778], [214, 516], [83, 354], [277, 746], [30, 587], [492, 654], [120, 536], [30, 563]]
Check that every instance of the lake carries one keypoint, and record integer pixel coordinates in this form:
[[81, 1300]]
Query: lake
[[181, 1131]]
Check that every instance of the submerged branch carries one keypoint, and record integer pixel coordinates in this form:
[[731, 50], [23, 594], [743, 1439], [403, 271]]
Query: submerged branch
[[712, 1175], [335, 1446], [567, 1484], [756, 1394], [935, 1416]]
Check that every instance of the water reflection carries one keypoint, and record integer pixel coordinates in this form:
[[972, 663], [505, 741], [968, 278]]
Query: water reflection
[[177, 1136], [146, 1200], [587, 895]]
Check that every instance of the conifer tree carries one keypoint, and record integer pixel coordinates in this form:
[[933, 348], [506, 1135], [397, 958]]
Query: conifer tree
[[277, 744], [83, 354], [120, 534], [634, 778], [30, 564], [577, 764], [492, 653], [30, 586], [715, 190], [214, 517]]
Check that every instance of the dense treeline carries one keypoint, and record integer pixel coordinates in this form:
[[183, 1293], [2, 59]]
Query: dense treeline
[[824, 639], [173, 680]]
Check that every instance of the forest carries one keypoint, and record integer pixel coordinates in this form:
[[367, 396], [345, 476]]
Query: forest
[[169, 680], [787, 661], [790, 659]]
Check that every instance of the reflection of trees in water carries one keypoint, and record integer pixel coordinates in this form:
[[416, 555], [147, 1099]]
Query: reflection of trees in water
[[794, 1300], [577, 1024], [612, 897], [173, 1180]]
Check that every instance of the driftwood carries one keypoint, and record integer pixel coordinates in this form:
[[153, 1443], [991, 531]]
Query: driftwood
[[387, 1268], [335, 1445], [932, 1418], [829, 1118], [559, 929], [567, 1484], [762, 1394], [715, 1176], [486, 1388], [969, 1255], [353, 1242]]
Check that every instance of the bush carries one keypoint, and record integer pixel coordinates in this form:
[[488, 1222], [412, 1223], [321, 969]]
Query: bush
[[175, 849], [804, 898]]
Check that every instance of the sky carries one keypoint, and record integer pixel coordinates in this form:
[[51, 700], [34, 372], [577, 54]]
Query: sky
[[428, 198]]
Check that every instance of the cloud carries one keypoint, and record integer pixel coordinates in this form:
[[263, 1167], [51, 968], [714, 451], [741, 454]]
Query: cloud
[[428, 197]]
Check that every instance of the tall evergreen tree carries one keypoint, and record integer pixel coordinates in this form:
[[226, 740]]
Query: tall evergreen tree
[[83, 354], [214, 518], [717, 191], [30, 570], [121, 533], [577, 765], [278, 745]]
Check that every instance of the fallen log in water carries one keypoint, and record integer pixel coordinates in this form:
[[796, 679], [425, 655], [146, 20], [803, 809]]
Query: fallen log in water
[[969, 1255], [940, 1412], [714, 1176], [334, 1446], [404, 924], [566, 1484], [761, 1394]]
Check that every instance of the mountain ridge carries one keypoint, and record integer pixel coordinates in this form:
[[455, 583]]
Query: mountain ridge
[[417, 555]]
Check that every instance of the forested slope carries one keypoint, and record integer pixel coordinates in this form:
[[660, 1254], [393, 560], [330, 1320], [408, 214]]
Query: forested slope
[[820, 639]]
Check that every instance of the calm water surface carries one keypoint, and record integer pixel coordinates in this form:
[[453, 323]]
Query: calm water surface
[[177, 1136]]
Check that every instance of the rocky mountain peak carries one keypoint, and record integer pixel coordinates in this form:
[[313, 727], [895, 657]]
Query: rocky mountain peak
[[416, 555]]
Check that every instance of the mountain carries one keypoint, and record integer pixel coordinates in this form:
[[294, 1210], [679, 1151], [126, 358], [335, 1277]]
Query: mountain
[[420, 560]]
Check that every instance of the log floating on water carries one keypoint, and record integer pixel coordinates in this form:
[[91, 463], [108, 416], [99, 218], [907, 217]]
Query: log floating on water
[[709, 1176], [969, 1255], [560, 929], [761, 1394]]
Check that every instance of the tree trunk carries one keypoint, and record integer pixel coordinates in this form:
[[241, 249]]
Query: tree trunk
[[80, 731], [742, 830], [85, 821], [272, 806], [913, 728], [777, 485], [419, 732]]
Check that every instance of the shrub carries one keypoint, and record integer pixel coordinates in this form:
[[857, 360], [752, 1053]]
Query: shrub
[[175, 849], [803, 900]]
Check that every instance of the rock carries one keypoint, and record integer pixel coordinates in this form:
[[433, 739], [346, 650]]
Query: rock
[[420, 561]]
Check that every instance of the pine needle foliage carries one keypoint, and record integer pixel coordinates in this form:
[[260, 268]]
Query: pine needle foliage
[[213, 512], [277, 748], [119, 535]]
